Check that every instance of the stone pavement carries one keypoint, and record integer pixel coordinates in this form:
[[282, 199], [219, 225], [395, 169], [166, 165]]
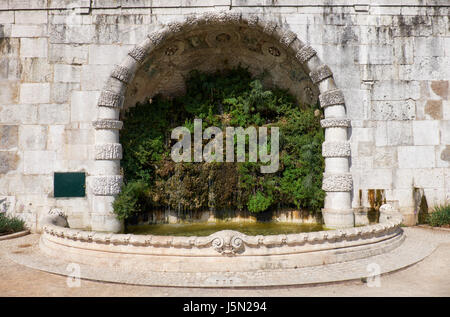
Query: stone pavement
[[431, 277]]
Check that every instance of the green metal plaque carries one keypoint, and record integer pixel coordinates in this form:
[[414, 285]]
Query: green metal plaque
[[69, 185]]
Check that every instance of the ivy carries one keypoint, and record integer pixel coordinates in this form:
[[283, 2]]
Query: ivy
[[227, 98]]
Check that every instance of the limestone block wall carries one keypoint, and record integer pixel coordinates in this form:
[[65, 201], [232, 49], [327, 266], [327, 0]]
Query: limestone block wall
[[391, 59]]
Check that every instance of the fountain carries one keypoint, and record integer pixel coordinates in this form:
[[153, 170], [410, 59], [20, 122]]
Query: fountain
[[210, 42]]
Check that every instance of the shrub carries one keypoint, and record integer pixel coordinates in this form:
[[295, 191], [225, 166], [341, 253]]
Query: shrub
[[258, 202], [228, 98], [132, 200], [440, 216], [10, 224]]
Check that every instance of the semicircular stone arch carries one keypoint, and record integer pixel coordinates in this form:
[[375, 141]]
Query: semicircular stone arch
[[158, 65]]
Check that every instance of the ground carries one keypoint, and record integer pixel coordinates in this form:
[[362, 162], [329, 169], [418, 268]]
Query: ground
[[430, 277]]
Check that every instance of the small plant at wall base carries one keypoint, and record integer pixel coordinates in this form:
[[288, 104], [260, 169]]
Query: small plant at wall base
[[10, 224], [440, 217], [152, 180]]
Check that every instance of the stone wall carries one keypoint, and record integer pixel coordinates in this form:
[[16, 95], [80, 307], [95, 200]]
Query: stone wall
[[391, 60]]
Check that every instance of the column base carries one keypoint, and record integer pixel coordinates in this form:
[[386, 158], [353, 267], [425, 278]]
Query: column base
[[338, 219]]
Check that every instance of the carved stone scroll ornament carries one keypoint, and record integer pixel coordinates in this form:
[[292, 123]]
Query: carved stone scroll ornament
[[227, 242]]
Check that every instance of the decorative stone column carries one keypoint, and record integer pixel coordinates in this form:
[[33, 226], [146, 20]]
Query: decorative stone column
[[108, 152], [337, 181], [107, 182]]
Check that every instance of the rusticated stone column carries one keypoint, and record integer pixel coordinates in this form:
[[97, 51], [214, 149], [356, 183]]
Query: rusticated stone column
[[337, 181]]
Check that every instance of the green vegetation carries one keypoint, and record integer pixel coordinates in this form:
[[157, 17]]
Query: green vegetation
[[10, 224], [229, 98], [440, 216]]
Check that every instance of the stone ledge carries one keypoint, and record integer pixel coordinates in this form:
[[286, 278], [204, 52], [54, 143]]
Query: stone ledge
[[14, 235], [109, 151], [416, 245], [337, 182], [229, 242], [109, 185], [336, 149]]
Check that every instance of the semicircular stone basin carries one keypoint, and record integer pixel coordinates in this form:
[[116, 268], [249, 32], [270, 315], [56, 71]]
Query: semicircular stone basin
[[226, 250]]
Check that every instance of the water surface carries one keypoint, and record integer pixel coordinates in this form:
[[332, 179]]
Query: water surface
[[205, 229]]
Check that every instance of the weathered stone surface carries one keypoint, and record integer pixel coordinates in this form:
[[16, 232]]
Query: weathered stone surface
[[67, 73], [287, 38], [35, 93], [416, 156], [393, 110], [331, 97], [445, 154], [22, 31], [426, 132], [8, 136], [321, 73], [39, 162], [138, 53], [53, 114], [440, 88], [110, 99], [269, 27], [112, 151], [333, 123], [305, 54], [8, 161], [121, 73], [68, 53], [337, 182], [33, 69], [108, 124], [32, 137], [335, 149], [106, 185], [395, 90], [83, 105], [33, 47], [433, 108]]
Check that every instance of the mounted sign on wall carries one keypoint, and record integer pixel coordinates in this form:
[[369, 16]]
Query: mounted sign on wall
[[69, 184]]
